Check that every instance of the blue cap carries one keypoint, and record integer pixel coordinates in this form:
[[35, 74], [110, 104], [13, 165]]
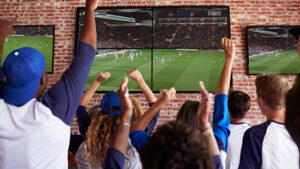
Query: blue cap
[[23, 69], [109, 100]]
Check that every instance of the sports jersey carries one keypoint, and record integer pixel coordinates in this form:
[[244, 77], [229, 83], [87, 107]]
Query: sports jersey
[[268, 146], [235, 141], [37, 134]]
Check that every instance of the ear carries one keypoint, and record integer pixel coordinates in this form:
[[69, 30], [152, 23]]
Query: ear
[[260, 101], [44, 79]]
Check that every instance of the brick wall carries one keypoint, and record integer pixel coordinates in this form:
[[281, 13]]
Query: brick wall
[[62, 14]]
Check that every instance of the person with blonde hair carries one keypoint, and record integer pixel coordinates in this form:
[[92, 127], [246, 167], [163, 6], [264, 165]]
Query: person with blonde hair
[[269, 145], [100, 123]]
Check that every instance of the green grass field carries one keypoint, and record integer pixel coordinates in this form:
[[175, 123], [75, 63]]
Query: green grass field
[[37, 42], [169, 69], [281, 62]]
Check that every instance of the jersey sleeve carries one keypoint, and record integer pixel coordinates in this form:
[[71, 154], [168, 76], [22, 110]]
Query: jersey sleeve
[[63, 98], [114, 159], [221, 121], [139, 139], [251, 153], [75, 142], [218, 162], [150, 127], [83, 120]]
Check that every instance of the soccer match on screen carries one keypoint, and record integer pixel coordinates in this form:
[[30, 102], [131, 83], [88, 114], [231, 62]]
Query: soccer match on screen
[[169, 46], [271, 50], [38, 37]]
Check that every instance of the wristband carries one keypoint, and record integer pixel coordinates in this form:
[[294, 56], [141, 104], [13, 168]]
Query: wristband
[[204, 127], [207, 133], [125, 124]]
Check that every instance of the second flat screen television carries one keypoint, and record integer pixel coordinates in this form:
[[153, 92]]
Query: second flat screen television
[[272, 50], [170, 46]]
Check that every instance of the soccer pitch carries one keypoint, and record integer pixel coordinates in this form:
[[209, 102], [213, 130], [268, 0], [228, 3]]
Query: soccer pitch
[[276, 62], [40, 43], [179, 68]]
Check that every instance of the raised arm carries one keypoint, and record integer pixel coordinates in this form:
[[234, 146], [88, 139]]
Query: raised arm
[[142, 122], [5, 29], [89, 34], [221, 113], [203, 119], [205, 127], [83, 118], [115, 156], [224, 82], [63, 98], [137, 76], [88, 94]]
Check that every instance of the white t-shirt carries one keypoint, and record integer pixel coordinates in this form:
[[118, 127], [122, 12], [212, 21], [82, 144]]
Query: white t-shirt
[[235, 141], [268, 146]]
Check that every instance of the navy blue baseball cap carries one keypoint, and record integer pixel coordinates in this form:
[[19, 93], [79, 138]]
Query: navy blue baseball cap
[[295, 32], [23, 69], [111, 101]]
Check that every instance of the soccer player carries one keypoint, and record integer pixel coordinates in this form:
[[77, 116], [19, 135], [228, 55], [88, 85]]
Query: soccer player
[[41, 123], [116, 57], [239, 104], [269, 145], [163, 61]]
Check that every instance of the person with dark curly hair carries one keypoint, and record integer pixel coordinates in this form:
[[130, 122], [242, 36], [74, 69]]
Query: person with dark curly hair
[[176, 145]]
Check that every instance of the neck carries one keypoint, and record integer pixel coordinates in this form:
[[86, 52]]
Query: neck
[[233, 120], [276, 115]]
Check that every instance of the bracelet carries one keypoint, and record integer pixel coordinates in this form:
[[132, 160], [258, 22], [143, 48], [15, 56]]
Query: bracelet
[[207, 133], [125, 124], [204, 127]]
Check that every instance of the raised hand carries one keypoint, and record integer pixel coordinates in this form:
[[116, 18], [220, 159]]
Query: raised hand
[[167, 95], [92, 4], [102, 76], [229, 47], [6, 27], [125, 101], [135, 75], [205, 105]]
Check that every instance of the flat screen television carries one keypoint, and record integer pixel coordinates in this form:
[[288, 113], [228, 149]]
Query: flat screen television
[[172, 46], [39, 37], [271, 50]]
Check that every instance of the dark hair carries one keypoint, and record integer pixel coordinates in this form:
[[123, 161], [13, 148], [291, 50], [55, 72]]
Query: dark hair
[[292, 122], [175, 145], [188, 114], [239, 104]]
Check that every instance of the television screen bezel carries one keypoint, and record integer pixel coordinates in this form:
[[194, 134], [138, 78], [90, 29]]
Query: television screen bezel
[[152, 7], [247, 49]]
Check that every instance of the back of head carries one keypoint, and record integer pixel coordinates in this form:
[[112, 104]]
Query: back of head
[[188, 114], [177, 146], [293, 112], [272, 89], [23, 70], [239, 104], [98, 136]]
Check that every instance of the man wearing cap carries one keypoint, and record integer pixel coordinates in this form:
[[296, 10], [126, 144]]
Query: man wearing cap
[[35, 129], [296, 33]]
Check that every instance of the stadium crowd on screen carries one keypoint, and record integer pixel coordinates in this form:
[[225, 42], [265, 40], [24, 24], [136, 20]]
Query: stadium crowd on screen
[[118, 133]]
